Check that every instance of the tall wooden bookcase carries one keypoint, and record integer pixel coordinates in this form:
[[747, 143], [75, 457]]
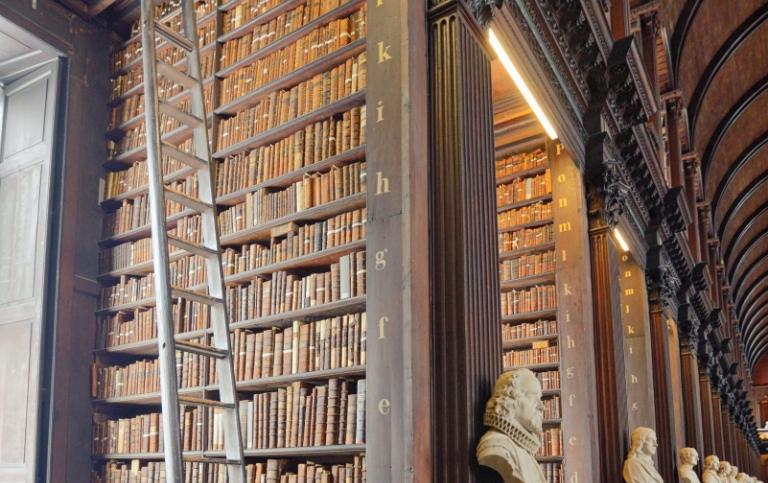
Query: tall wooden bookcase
[[310, 194]]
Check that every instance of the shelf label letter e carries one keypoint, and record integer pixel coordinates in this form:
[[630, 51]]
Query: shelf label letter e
[[384, 406]]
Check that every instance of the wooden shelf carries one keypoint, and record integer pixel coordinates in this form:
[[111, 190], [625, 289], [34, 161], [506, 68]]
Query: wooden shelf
[[144, 347], [526, 173], [527, 281], [286, 319], [282, 131], [531, 316], [526, 251], [251, 24], [138, 269], [267, 383], [550, 392], [343, 10], [549, 459], [526, 342], [285, 180], [263, 231], [148, 399], [159, 48], [142, 456], [116, 133], [143, 231], [200, 21], [552, 421], [549, 366], [289, 80], [175, 137], [532, 224], [312, 260], [520, 204]]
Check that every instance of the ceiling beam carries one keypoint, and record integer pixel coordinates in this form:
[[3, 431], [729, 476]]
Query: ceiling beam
[[683, 25], [750, 290], [741, 160], [99, 6], [749, 330], [753, 266], [727, 122], [748, 223], [752, 188], [731, 45], [754, 242]]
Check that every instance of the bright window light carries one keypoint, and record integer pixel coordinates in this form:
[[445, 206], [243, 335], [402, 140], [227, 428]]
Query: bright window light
[[507, 62], [620, 238]]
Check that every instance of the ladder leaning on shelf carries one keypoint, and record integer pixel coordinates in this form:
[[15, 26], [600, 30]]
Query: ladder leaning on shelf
[[200, 160]]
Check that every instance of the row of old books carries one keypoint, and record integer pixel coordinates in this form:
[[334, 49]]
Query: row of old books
[[246, 11], [134, 105], [524, 189], [284, 105], [172, 10], [526, 357], [259, 298], [140, 324], [135, 213], [296, 241], [250, 9], [275, 29], [136, 176], [299, 415], [287, 292], [520, 162], [534, 299], [526, 330], [144, 433], [271, 471], [527, 265], [308, 146], [549, 379], [166, 87], [525, 214], [551, 442], [315, 45], [143, 376], [287, 242], [552, 408], [553, 472], [314, 189], [332, 343], [526, 238]]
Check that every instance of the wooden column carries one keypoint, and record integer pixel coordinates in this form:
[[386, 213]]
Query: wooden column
[[691, 167], [689, 364], [613, 430], [665, 428], [463, 256], [707, 416], [728, 449], [717, 424]]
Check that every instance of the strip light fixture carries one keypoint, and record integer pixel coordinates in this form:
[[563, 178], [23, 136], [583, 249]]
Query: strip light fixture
[[507, 63], [620, 239]]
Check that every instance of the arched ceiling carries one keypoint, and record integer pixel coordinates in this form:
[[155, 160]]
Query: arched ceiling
[[720, 61]]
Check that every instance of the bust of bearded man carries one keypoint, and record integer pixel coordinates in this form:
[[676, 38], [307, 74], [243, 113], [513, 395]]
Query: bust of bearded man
[[711, 465], [638, 467], [724, 472], [689, 458], [732, 475], [514, 415]]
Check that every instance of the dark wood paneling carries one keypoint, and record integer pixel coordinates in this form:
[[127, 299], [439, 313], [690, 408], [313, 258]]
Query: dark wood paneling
[[707, 416], [692, 413], [464, 285]]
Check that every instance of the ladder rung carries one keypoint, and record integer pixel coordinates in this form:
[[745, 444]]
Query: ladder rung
[[173, 37], [212, 461], [186, 200], [179, 155], [176, 75], [194, 296], [192, 248], [201, 349], [211, 403], [180, 115]]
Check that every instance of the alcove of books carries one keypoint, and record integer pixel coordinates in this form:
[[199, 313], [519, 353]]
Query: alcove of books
[[285, 86]]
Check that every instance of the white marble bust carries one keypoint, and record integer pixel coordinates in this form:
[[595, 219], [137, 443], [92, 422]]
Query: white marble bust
[[689, 458], [711, 466], [742, 478], [514, 415], [638, 467], [732, 475], [724, 472]]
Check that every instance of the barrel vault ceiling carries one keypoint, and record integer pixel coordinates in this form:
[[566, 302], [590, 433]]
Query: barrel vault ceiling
[[719, 53]]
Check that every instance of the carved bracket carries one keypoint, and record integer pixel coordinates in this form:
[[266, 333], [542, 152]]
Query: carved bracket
[[631, 94], [699, 277], [483, 10]]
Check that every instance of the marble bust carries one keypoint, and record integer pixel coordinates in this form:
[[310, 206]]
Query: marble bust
[[514, 415], [742, 478], [638, 467], [689, 458], [711, 465], [733, 473], [724, 472]]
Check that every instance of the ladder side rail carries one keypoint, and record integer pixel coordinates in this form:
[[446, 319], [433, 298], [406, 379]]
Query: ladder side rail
[[165, 334], [210, 227]]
